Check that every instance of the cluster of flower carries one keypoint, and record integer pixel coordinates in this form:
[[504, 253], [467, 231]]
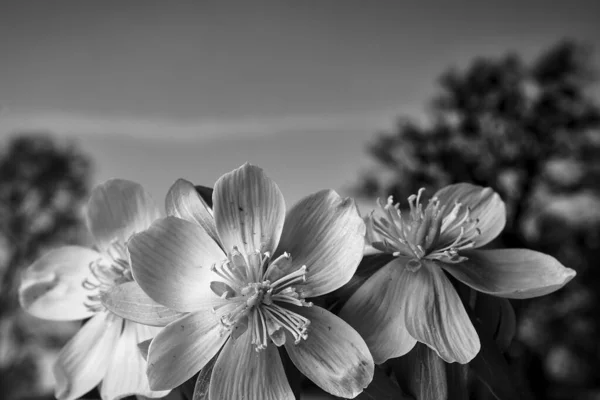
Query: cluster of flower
[[219, 289]]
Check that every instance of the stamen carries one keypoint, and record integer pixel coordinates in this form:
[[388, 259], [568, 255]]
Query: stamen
[[450, 218], [261, 339], [390, 233], [106, 272], [279, 267], [221, 289], [295, 277], [435, 226], [117, 250], [266, 256], [257, 262], [231, 318], [418, 236], [290, 295], [260, 306], [224, 272], [292, 322]]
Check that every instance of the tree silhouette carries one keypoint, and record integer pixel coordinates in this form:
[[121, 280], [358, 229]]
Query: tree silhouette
[[531, 131], [43, 184]]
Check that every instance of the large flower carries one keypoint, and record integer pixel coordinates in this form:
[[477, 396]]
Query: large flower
[[411, 299], [244, 277], [71, 283]]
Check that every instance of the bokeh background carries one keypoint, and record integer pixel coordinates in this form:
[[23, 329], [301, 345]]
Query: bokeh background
[[369, 98]]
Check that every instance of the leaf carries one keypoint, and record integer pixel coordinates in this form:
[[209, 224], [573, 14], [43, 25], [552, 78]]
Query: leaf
[[494, 321], [498, 316], [382, 387], [493, 370], [457, 378], [507, 327]]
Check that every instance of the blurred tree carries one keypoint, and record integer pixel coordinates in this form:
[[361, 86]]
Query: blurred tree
[[531, 131], [43, 184]]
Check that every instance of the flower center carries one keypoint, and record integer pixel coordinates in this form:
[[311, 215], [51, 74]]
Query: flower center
[[259, 294], [423, 233], [106, 272]]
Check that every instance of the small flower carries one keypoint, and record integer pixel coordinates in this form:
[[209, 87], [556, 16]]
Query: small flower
[[411, 299], [244, 277], [72, 283]]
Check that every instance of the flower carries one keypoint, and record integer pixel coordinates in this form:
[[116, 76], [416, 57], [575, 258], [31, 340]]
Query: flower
[[410, 299], [244, 277], [72, 283]]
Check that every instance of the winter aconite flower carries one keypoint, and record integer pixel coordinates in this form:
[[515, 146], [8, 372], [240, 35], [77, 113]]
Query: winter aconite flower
[[245, 276], [411, 299], [71, 283]]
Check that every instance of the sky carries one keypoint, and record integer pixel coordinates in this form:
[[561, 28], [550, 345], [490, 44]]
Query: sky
[[158, 90]]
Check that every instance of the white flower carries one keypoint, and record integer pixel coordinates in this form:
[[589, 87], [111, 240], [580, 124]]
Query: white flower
[[244, 276], [72, 283], [411, 299]]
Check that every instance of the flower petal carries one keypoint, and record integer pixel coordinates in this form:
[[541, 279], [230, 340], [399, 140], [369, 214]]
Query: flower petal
[[117, 209], [375, 311], [243, 373], [171, 262], [511, 273], [126, 375], [51, 288], [485, 205], [334, 356], [183, 201], [84, 360], [183, 348], [249, 210], [129, 301], [324, 232], [435, 316]]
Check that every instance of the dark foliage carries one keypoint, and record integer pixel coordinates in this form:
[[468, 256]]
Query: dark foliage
[[531, 131], [43, 184]]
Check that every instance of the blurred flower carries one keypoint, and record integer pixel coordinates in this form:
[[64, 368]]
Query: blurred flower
[[411, 299], [245, 292], [72, 283]]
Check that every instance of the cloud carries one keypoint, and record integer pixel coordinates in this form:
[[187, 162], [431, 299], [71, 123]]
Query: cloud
[[74, 124]]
